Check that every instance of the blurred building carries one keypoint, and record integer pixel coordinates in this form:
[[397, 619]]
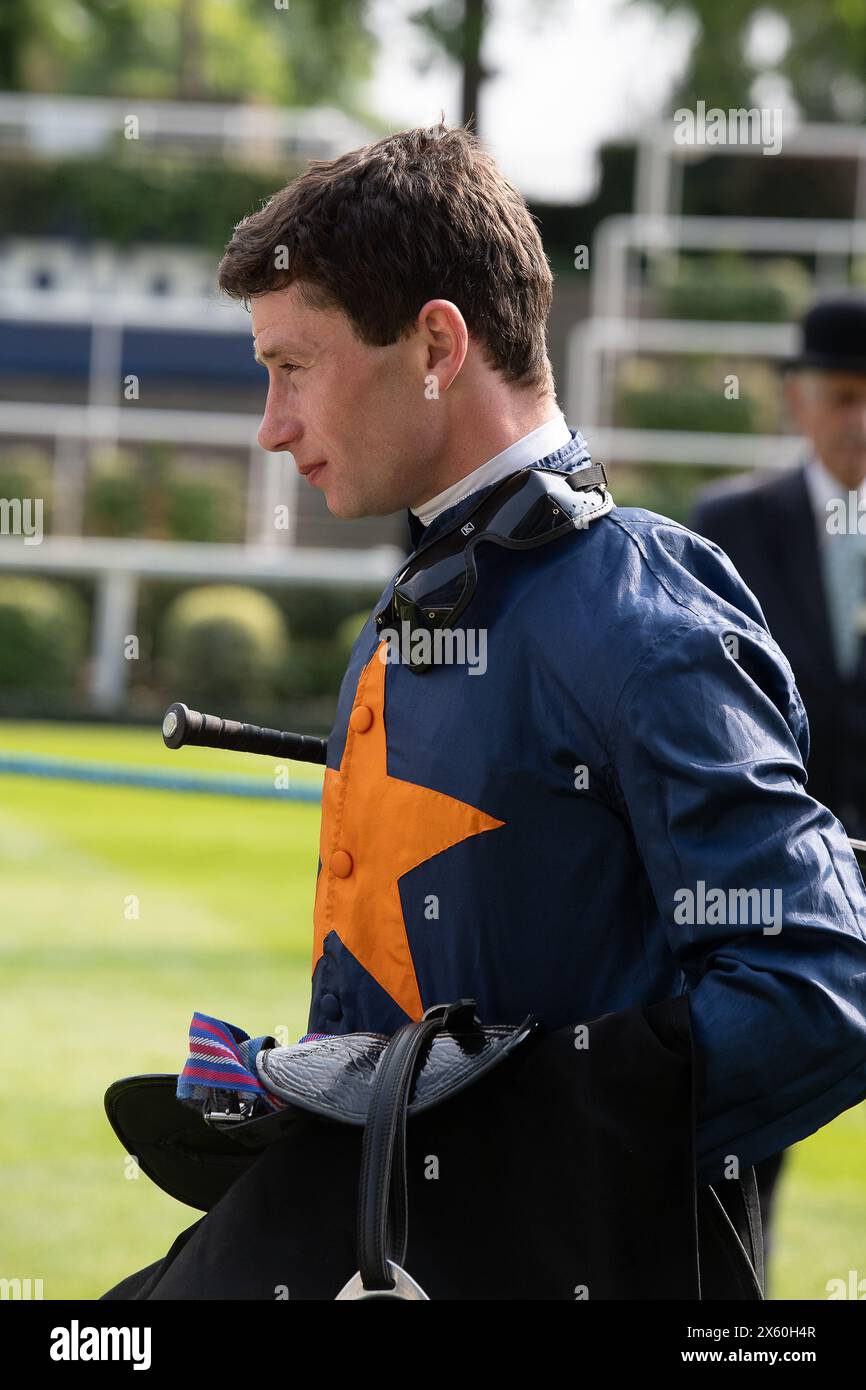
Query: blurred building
[[121, 369], [120, 360]]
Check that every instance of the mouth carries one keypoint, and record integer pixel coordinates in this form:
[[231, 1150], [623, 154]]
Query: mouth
[[311, 471]]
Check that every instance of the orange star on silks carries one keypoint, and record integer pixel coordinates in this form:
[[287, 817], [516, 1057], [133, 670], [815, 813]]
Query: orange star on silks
[[375, 828]]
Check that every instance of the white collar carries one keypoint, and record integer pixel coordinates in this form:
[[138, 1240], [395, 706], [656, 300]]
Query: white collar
[[823, 489], [540, 442]]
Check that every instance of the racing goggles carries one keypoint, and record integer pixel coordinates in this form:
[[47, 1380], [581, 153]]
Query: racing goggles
[[527, 509]]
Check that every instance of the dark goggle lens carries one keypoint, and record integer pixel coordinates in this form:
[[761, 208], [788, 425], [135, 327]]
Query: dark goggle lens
[[427, 592]]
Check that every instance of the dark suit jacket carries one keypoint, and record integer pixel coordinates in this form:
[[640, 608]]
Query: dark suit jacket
[[768, 530]]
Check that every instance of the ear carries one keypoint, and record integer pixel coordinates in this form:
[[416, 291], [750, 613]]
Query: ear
[[445, 338]]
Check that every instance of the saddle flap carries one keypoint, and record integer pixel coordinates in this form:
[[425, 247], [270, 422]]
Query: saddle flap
[[175, 1147], [333, 1077]]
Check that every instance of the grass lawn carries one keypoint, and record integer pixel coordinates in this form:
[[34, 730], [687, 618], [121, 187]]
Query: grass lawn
[[225, 891], [225, 897]]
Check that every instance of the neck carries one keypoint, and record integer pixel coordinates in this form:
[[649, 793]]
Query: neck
[[850, 477], [481, 436]]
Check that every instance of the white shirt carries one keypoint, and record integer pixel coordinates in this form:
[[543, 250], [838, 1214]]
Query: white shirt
[[540, 442], [824, 488], [843, 564]]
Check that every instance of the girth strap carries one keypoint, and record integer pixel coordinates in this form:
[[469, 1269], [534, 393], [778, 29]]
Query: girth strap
[[382, 1196]]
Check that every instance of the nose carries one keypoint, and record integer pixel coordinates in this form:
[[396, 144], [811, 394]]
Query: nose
[[280, 429]]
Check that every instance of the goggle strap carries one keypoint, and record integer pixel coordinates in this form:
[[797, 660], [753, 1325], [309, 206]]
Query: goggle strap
[[583, 478]]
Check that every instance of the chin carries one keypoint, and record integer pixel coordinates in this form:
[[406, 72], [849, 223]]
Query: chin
[[351, 509], [339, 506], [343, 508]]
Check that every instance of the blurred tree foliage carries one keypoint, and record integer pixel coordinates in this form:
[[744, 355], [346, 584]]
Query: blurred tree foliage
[[283, 52], [817, 46], [287, 52], [457, 29]]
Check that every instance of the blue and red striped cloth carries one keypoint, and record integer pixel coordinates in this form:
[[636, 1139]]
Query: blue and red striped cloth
[[223, 1057]]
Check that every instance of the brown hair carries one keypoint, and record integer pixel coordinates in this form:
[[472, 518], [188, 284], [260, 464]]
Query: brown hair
[[424, 214]]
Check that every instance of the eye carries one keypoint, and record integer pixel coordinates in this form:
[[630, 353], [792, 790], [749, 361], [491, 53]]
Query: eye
[[289, 367]]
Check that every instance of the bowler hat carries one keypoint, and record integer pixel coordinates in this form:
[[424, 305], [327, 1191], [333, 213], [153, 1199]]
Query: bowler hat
[[833, 336]]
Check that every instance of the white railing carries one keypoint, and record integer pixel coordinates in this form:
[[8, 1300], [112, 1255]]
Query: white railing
[[93, 291], [43, 125], [612, 330], [661, 160], [272, 479], [832, 242]]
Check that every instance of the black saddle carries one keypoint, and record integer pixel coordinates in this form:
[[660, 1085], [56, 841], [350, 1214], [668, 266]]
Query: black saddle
[[565, 1168]]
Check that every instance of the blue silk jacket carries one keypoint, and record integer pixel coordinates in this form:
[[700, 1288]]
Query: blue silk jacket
[[611, 812]]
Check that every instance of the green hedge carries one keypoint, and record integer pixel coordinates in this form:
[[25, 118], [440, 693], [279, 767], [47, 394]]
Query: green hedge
[[132, 196], [43, 634], [223, 644], [26, 472], [322, 623], [125, 200], [202, 509], [729, 286], [686, 408], [667, 488], [348, 630], [115, 504], [125, 497]]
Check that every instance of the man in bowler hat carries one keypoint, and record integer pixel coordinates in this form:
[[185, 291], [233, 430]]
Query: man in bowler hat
[[799, 542]]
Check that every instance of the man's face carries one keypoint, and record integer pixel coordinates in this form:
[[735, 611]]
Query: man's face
[[358, 412], [829, 407]]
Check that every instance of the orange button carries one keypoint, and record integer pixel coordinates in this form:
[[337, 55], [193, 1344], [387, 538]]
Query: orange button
[[361, 718], [341, 863]]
